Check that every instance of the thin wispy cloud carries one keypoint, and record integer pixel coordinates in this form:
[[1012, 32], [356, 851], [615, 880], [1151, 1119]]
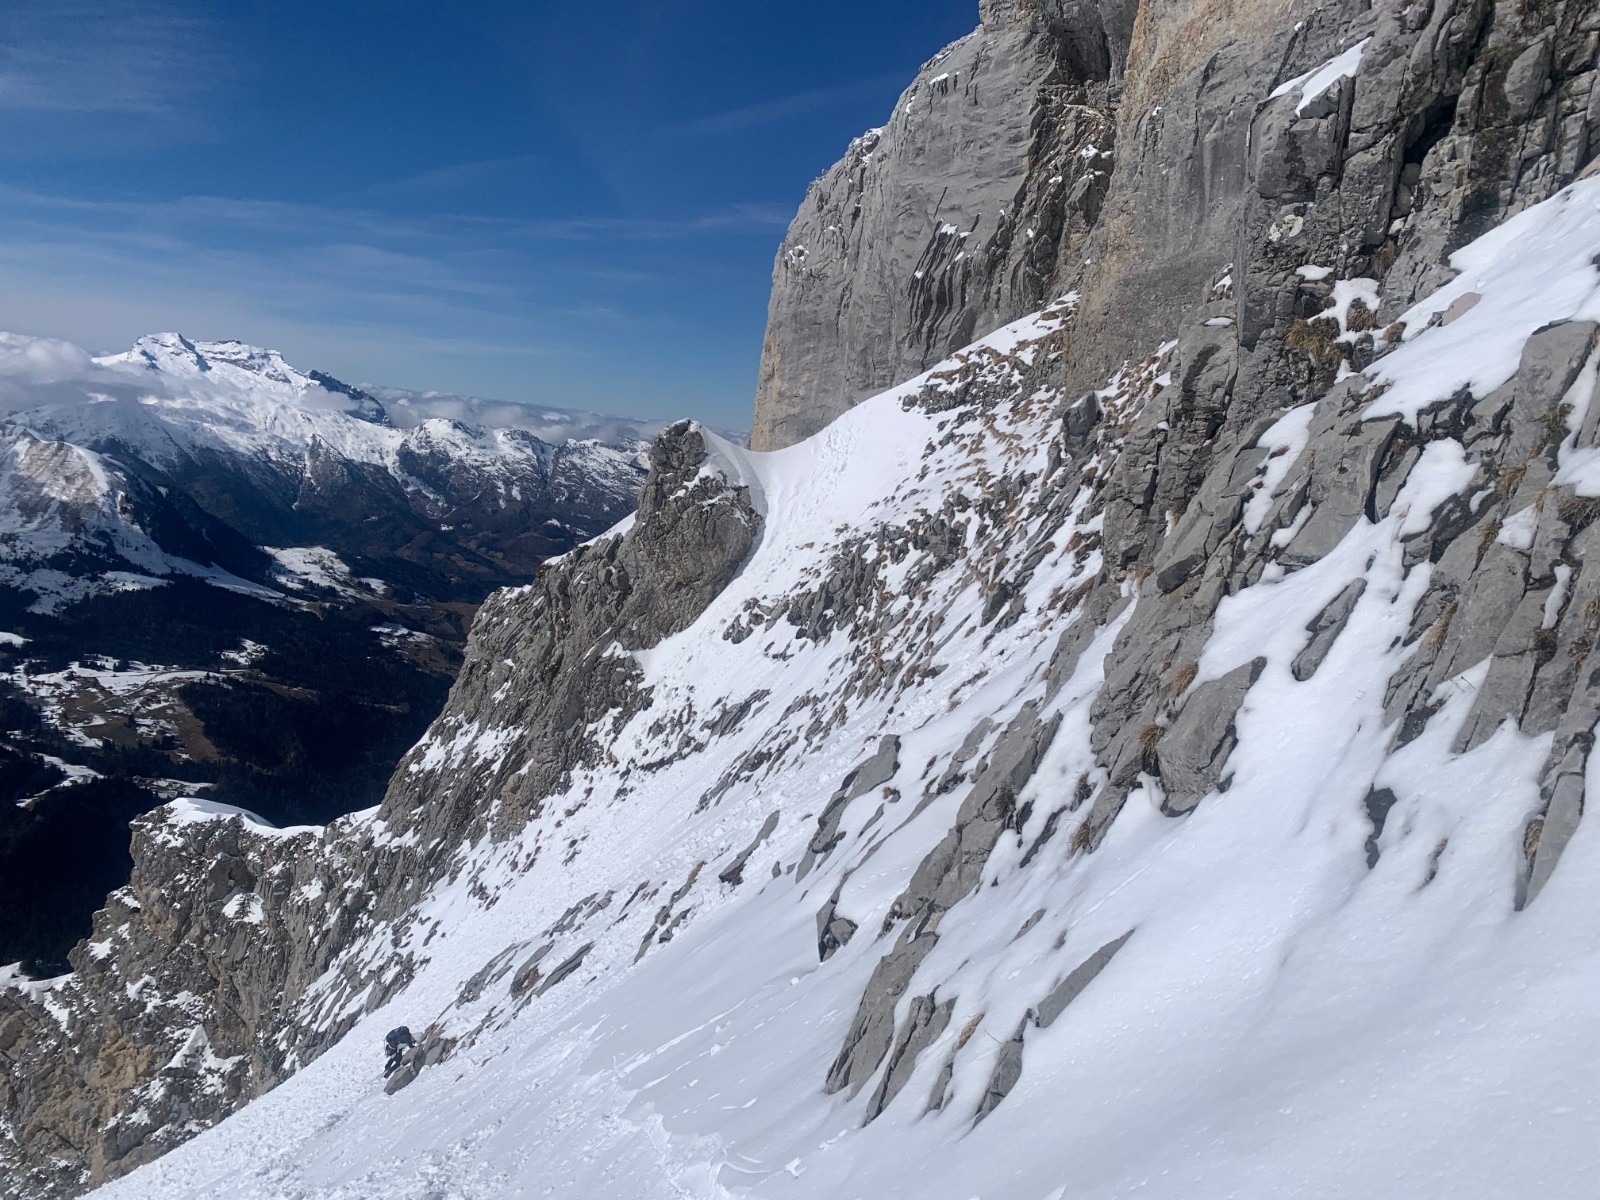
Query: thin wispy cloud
[[104, 56], [454, 299], [358, 223], [456, 174], [408, 407], [429, 202], [784, 108], [733, 219], [237, 213]]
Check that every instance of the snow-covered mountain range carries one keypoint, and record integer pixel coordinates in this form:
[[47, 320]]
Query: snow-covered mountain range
[[276, 455]]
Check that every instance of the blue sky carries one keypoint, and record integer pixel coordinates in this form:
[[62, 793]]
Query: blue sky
[[573, 203]]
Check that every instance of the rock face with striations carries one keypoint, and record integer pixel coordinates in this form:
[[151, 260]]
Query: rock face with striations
[[1124, 150], [1248, 456], [952, 218]]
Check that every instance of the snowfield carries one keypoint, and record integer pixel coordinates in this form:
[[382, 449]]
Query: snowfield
[[1302, 1006]]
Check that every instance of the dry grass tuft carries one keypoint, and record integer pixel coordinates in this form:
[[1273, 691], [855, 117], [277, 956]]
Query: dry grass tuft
[[1317, 339], [1387, 254], [1487, 536], [1510, 480], [1579, 512], [1076, 595], [1358, 318], [1082, 840], [1433, 640], [1555, 422], [1531, 833]]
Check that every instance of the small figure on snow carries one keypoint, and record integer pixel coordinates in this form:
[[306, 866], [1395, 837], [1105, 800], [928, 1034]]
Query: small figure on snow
[[397, 1042]]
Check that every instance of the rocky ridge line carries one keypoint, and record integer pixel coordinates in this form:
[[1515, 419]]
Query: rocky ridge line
[[239, 952]]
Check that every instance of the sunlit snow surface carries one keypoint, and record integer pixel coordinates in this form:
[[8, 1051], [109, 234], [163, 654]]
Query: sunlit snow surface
[[1283, 1022]]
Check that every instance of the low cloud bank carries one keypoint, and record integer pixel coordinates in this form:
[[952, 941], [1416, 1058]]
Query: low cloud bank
[[407, 408]]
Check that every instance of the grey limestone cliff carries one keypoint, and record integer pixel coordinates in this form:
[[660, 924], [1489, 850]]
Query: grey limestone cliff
[[949, 220], [1225, 183], [1134, 152]]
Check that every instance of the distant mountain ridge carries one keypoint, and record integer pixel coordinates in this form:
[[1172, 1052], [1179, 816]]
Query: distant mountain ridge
[[282, 456]]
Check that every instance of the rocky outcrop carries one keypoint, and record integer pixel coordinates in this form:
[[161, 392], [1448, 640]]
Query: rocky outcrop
[[238, 952], [1125, 150], [502, 747], [951, 219], [1193, 751], [1239, 195], [873, 773], [179, 1007]]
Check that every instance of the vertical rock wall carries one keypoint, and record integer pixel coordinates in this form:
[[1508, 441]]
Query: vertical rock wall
[[951, 219], [1135, 153]]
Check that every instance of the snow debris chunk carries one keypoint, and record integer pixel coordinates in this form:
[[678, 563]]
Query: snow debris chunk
[[1316, 82]]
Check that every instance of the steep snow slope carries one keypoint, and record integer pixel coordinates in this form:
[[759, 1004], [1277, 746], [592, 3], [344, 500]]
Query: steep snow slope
[[939, 855]]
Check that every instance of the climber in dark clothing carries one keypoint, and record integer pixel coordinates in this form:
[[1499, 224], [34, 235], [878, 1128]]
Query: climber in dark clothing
[[397, 1042]]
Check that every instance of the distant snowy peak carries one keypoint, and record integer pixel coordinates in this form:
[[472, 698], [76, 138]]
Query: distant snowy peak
[[457, 438], [177, 355], [261, 374], [285, 457], [169, 398], [239, 364]]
